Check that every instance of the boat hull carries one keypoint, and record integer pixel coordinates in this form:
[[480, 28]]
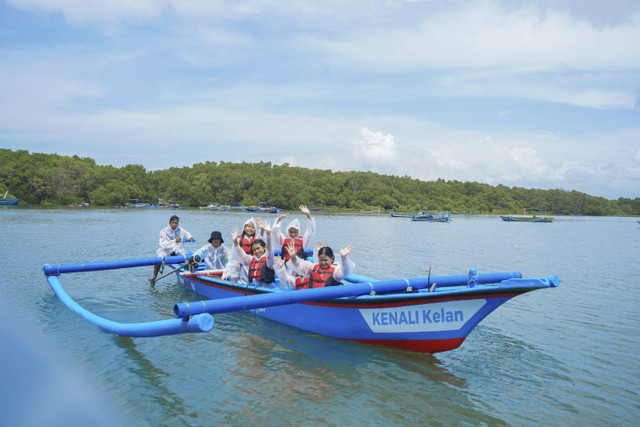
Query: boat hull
[[432, 216], [418, 321], [8, 202], [526, 219]]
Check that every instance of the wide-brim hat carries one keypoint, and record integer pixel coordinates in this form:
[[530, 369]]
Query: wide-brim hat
[[216, 235]]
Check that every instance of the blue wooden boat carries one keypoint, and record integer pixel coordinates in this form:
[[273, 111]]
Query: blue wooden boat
[[534, 218], [4, 201], [270, 209], [426, 314], [432, 216]]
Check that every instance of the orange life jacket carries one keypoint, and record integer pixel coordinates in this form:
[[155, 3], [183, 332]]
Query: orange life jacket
[[299, 248], [320, 277], [246, 243], [302, 282], [259, 271]]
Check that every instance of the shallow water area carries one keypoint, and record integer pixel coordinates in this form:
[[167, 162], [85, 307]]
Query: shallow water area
[[563, 356]]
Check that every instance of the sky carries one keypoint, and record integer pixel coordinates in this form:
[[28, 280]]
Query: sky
[[535, 94]]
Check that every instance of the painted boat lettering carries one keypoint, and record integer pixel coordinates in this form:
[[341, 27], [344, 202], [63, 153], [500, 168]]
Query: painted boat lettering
[[420, 318]]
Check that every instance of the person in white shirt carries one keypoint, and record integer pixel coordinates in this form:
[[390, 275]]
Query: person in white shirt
[[301, 241], [171, 239], [215, 255], [260, 262]]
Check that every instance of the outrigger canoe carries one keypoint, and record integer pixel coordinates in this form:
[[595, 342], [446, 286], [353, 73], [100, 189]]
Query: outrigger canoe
[[527, 218], [426, 314]]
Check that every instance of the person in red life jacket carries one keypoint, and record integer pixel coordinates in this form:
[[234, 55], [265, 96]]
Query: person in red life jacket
[[292, 280], [235, 270], [301, 241], [248, 235], [260, 263], [325, 272]]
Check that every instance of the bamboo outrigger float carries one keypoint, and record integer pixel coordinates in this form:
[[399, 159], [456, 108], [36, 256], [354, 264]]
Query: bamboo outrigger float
[[426, 314]]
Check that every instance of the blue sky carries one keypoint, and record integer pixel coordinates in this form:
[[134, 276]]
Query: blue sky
[[537, 94]]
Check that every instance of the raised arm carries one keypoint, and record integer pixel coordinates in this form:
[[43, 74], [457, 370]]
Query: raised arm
[[316, 249], [286, 280], [291, 250], [310, 232], [346, 266], [301, 266], [276, 231], [237, 252]]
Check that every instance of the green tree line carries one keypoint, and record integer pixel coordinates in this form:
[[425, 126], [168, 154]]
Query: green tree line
[[51, 179]]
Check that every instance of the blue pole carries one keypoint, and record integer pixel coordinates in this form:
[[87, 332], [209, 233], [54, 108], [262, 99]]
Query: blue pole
[[110, 265], [443, 281], [226, 305], [198, 323]]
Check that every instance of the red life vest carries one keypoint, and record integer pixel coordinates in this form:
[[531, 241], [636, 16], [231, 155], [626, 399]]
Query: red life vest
[[299, 249], [319, 278], [302, 282], [259, 271], [246, 243]]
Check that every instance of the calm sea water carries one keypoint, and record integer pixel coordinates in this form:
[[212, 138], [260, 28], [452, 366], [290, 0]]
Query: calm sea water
[[564, 356]]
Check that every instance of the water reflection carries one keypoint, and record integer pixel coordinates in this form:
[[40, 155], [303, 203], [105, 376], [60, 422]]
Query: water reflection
[[154, 381], [281, 366]]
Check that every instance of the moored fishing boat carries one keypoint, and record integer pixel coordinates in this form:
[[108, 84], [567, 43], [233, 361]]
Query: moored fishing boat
[[427, 314], [432, 216], [4, 201], [269, 209], [534, 218]]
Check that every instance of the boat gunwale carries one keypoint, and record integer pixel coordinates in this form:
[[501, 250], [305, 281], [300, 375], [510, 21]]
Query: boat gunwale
[[453, 293]]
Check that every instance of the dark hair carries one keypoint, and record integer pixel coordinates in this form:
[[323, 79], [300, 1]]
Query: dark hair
[[259, 242], [326, 250], [174, 217]]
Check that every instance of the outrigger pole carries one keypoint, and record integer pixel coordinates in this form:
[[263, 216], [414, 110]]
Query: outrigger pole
[[198, 323], [507, 281]]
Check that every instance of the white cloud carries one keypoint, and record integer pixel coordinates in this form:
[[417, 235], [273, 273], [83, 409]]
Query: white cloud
[[527, 160], [290, 160], [375, 147], [483, 35], [485, 160]]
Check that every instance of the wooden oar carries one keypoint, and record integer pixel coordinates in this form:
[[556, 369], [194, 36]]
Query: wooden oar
[[191, 264]]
